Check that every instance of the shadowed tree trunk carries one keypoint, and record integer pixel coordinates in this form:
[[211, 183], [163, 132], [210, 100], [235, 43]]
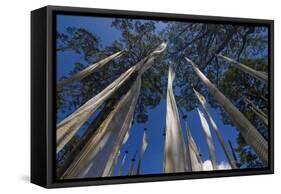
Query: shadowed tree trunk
[[91, 130]]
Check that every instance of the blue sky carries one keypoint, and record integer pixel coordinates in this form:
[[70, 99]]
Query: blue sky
[[153, 158]]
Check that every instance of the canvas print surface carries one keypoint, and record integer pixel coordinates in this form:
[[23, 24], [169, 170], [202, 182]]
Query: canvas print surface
[[145, 97]]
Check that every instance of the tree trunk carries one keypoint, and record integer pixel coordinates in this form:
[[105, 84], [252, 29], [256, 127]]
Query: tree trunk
[[67, 128], [91, 129], [250, 134], [203, 102], [262, 117], [88, 70], [174, 150], [256, 110], [234, 154], [89, 132], [262, 76], [209, 139], [222, 46], [194, 159]]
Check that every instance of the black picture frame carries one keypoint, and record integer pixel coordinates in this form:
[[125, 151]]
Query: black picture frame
[[43, 96]]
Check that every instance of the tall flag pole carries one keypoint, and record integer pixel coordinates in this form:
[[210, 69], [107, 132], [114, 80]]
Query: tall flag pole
[[132, 166], [164, 140], [143, 148], [122, 163], [250, 134], [203, 102]]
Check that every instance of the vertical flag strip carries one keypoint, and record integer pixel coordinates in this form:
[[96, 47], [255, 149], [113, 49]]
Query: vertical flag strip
[[174, 152], [132, 166], [203, 102], [122, 163], [143, 148], [250, 134], [209, 139], [195, 162]]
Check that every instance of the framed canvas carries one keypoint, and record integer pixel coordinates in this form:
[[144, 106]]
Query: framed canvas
[[126, 96]]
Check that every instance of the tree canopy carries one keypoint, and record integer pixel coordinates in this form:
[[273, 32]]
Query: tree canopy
[[199, 41]]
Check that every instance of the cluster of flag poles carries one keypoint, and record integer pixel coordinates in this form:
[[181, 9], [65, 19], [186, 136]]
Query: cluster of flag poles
[[101, 153]]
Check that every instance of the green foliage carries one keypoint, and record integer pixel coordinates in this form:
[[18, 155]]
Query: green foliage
[[79, 40], [236, 85]]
